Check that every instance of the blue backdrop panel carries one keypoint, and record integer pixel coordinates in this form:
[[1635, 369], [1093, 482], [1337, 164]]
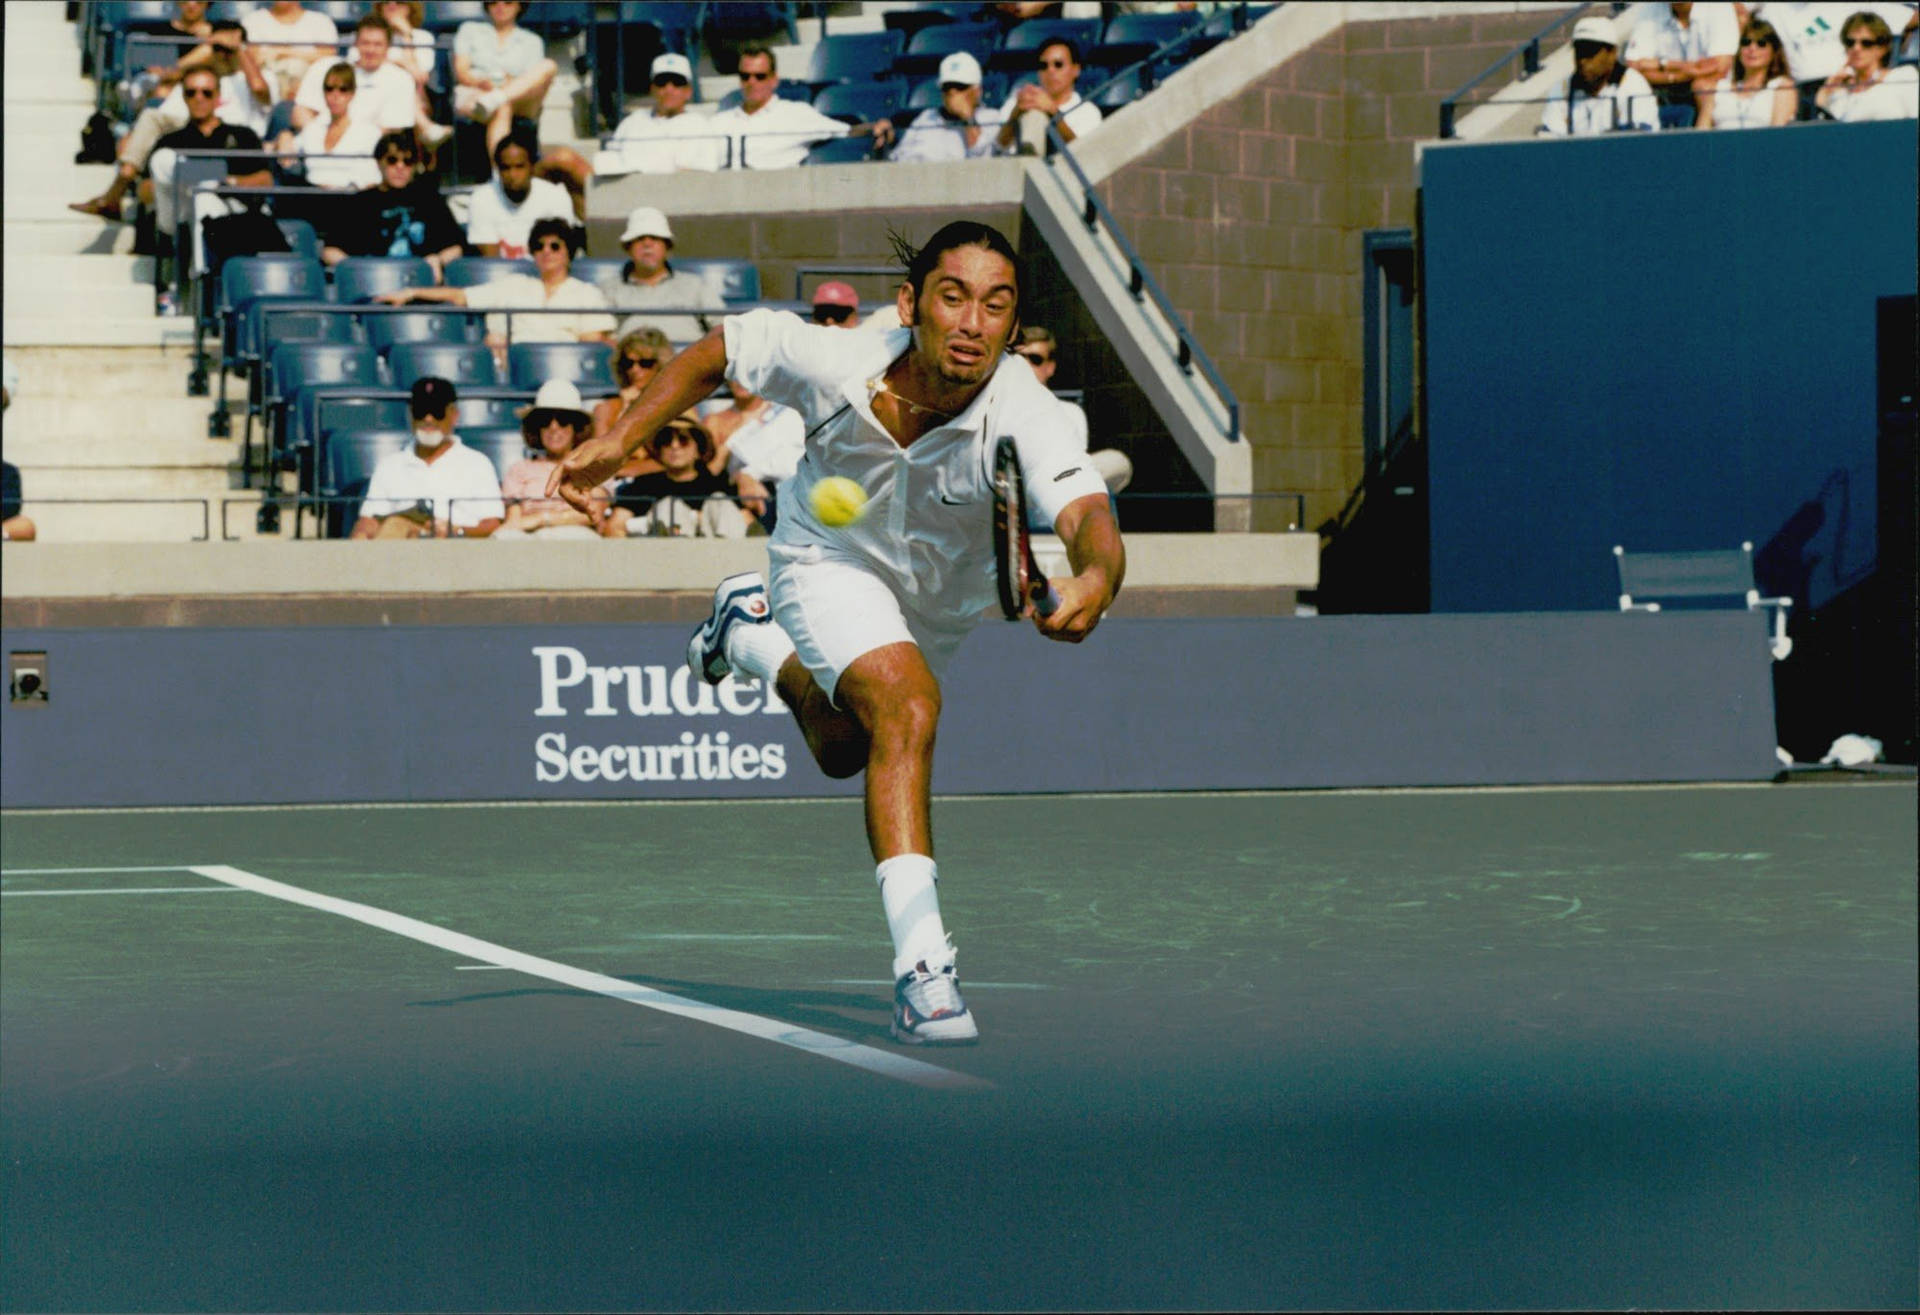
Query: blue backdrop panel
[[1665, 341], [179, 716]]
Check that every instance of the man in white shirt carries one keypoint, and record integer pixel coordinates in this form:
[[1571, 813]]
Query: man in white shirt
[[289, 37], [503, 213], [1682, 49], [438, 488], [1810, 33], [958, 128], [384, 94], [862, 617], [767, 132], [1603, 95], [664, 138], [1054, 99]]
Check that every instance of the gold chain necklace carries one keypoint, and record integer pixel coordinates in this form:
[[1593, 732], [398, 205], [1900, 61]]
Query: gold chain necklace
[[878, 385]]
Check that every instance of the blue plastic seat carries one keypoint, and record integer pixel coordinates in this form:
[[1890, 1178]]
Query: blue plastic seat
[[1130, 38], [470, 270], [1020, 48], [841, 150], [602, 271], [854, 57], [930, 45], [1113, 93], [361, 278], [492, 408], [232, 11], [913, 18], [738, 281], [501, 444], [302, 240], [300, 366], [588, 364], [347, 462], [422, 323], [462, 364], [447, 15], [862, 102], [247, 279]]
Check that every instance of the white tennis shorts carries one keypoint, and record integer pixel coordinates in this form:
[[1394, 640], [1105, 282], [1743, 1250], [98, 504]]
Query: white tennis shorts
[[835, 608]]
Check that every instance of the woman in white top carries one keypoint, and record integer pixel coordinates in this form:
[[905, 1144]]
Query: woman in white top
[[1865, 88], [337, 151], [413, 52], [1757, 93]]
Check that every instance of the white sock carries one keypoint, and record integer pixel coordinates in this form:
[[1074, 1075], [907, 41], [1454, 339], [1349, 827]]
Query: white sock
[[758, 650], [908, 894]]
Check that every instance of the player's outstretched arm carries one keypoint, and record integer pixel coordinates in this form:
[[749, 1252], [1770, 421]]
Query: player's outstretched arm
[[688, 378], [1099, 561]]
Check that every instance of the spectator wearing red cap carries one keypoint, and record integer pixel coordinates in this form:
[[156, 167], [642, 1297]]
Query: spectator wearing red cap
[[836, 305]]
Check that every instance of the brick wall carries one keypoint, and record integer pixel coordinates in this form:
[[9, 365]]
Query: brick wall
[[1251, 217]]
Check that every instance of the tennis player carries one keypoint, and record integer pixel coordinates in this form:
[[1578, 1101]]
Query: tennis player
[[863, 618]]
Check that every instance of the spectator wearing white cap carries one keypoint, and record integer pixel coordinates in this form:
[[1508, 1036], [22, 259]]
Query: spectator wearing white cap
[[651, 293], [959, 127], [836, 305], [553, 426], [1603, 94], [768, 132], [665, 137]]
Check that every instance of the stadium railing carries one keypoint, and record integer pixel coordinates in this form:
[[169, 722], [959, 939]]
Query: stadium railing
[[1527, 52]]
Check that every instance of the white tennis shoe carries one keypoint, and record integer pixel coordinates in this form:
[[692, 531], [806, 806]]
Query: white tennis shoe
[[737, 600], [928, 1010]]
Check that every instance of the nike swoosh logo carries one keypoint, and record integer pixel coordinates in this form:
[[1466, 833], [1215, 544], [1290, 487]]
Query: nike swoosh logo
[[953, 502], [1075, 470]]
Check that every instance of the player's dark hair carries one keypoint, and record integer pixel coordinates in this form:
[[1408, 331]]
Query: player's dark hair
[[919, 262]]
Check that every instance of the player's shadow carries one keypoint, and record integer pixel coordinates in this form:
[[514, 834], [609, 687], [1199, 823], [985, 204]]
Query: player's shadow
[[840, 1013]]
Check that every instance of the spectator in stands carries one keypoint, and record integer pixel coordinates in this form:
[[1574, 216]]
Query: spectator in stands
[[404, 215], [780, 130], [189, 21], [637, 358], [412, 52], [553, 426], [1054, 99], [553, 288], [243, 94], [385, 97], [1603, 94], [437, 488], [1683, 50], [1810, 34], [664, 138], [500, 70], [289, 38], [204, 132], [1039, 349], [651, 289], [505, 210], [684, 497], [836, 305], [1758, 92], [336, 149], [759, 443], [957, 128], [1866, 88], [13, 526]]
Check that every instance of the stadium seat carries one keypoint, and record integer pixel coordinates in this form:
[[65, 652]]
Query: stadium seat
[[588, 364], [1131, 38], [1021, 46], [603, 271], [302, 240], [492, 408], [913, 18], [346, 465], [344, 13], [419, 323], [448, 15], [470, 270], [299, 366], [360, 278], [930, 45], [463, 364], [501, 444], [1110, 94], [841, 150], [856, 57], [232, 11], [737, 281], [862, 102]]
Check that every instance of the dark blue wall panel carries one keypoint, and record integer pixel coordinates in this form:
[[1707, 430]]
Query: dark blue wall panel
[[1662, 340]]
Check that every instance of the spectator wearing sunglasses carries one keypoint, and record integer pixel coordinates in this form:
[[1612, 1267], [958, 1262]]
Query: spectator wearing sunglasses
[[1039, 349], [337, 149], [1683, 50], [651, 293], [553, 426], [437, 489], [553, 288], [836, 305], [665, 137], [403, 215], [684, 498], [1865, 88], [768, 132], [205, 131], [1602, 94], [1054, 99], [957, 128], [385, 97], [504, 212], [1811, 34], [637, 358], [1757, 93]]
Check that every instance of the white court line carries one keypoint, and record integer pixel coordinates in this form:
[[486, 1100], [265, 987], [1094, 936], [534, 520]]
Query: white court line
[[64, 872], [839, 1049], [129, 890]]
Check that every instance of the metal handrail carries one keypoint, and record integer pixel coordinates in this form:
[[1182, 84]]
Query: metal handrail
[[1142, 284], [1528, 51]]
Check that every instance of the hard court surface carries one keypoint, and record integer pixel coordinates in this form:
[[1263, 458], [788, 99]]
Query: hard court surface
[[1561, 1048]]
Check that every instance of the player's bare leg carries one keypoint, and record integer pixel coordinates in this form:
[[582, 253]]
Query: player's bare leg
[[834, 736], [896, 700]]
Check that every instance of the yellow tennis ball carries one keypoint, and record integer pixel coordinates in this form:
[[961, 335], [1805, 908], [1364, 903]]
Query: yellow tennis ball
[[838, 500]]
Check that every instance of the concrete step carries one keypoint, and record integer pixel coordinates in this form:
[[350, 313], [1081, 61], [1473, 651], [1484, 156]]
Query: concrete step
[[45, 297], [27, 329], [108, 375], [85, 482], [72, 235], [100, 432], [24, 272], [42, 197], [47, 120]]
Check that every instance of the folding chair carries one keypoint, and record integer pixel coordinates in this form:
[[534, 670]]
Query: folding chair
[[1699, 576]]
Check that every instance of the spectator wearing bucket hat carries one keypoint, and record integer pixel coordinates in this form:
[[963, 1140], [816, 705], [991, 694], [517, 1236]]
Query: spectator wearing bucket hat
[[959, 127], [1603, 94], [437, 488], [552, 426], [666, 137], [651, 290]]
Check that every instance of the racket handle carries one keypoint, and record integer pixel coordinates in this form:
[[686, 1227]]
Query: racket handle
[[1046, 599]]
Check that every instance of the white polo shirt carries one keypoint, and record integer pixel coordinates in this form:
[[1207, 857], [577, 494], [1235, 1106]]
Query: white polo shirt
[[527, 292], [494, 218], [1628, 104], [461, 483], [384, 97], [1711, 29], [927, 530], [648, 143], [781, 131]]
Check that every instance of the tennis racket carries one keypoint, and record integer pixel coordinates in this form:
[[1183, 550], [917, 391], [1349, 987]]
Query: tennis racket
[[1016, 571]]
